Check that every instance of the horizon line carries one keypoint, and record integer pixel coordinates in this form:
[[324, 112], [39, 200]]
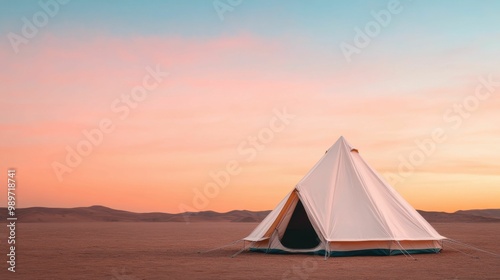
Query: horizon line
[[2, 207]]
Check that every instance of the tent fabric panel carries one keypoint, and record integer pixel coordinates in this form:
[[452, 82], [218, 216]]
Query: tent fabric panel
[[385, 244], [403, 220], [263, 228], [349, 201], [338, 199], [287, 212]]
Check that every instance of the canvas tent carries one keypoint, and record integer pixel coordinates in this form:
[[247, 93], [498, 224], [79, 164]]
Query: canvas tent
[[342, 207]]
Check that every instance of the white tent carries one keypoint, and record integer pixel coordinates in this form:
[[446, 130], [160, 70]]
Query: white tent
[[342, 207]]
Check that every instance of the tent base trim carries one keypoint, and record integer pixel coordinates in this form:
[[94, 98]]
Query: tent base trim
[[368, 252]]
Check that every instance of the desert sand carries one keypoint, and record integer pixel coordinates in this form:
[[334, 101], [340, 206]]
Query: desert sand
[[131, 251]]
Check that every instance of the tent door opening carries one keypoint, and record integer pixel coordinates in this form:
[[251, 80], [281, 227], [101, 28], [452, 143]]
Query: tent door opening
[[299, 233]]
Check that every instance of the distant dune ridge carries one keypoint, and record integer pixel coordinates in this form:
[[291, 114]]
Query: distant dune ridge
[[105, 214]]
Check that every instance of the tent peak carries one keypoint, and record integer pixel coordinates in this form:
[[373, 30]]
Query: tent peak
[[342, 139], [342, 142]]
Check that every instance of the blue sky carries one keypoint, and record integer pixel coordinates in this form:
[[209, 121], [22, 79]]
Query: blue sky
[[449, 19]]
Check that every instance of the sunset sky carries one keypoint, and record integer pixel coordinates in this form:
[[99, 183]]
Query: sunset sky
[[174, 92]]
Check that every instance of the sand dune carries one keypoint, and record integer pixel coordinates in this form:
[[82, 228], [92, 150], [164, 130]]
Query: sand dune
[[105, 214], [489, 213], [462, 216]]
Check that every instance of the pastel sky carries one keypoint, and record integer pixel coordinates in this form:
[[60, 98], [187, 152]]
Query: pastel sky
[[67, 67]]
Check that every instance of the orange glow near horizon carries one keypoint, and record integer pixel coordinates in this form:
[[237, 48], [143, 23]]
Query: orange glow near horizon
[[203, 116]]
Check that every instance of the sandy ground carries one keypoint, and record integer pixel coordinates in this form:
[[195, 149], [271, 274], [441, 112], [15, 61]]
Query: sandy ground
[[132, 251]]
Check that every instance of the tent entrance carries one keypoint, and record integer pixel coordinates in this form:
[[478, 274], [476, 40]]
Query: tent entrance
[[299, 233]]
